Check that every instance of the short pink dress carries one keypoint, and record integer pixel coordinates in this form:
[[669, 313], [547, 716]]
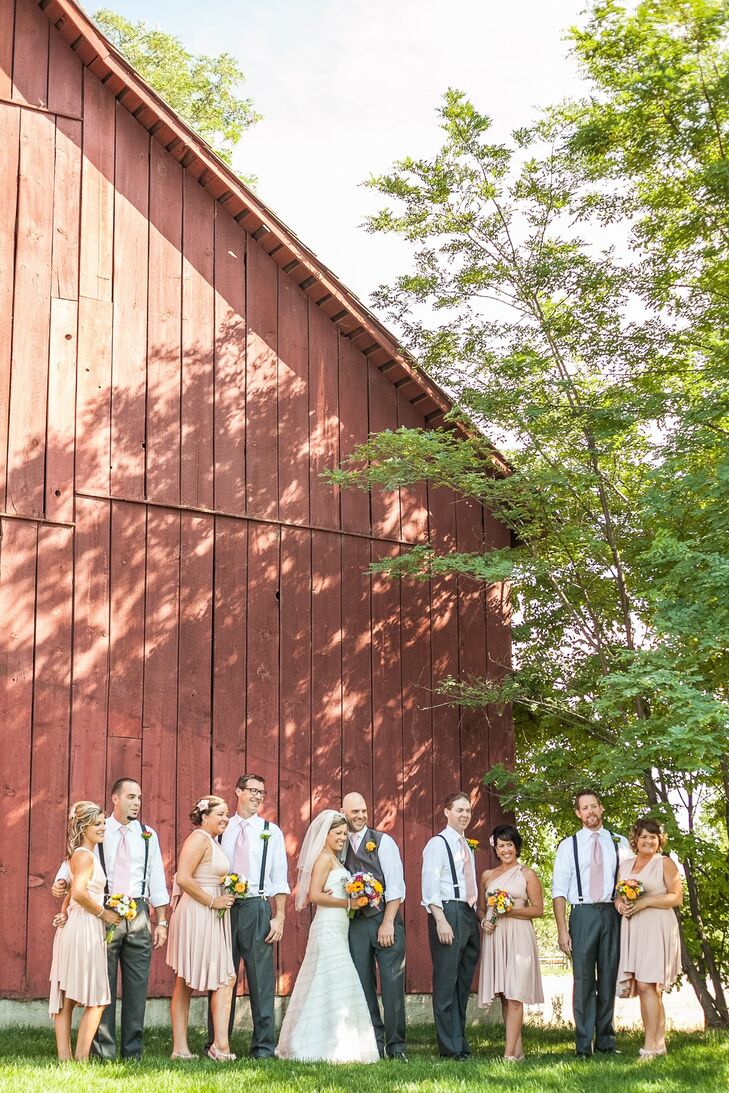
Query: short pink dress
[[79, 967], [509, 957], [649, 941], [199, 946]]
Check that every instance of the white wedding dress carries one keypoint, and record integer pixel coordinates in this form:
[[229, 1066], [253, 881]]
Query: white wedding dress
[[327, 1017]]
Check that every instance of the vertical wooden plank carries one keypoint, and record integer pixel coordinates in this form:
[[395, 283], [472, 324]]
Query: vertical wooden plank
[[385, 505], [30, 61], [261, 384], [89, 695], [357, 738], [498, 652], [61, 410], [123, 760], [262, 715], [230, 364], [387, 796], [413, 499], [17, 602], [193, 710], [444, 646], [229, 661], [472, 660], [354, 429], [97, 190], [7, 28], [295, 746], [197, 346], [65, 77], [51, 724], [10, 144], [323, 417], [326, 671], [126, 620], [164, 345], [66, 209], [293, 401], [93, 397], [159, 742], [131, 244], [31, 324]]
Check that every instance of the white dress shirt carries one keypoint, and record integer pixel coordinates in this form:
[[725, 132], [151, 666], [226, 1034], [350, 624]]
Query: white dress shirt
[[390, 861], [276, 878], [564, 878], [437, 877], [156, 887]]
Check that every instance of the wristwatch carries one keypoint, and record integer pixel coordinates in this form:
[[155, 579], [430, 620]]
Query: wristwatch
[[163, 924]]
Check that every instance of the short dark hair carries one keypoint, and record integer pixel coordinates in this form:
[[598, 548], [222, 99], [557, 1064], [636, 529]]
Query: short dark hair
[[453, 797], [116, 788], [587, 793], [507, 833], [246, 778]]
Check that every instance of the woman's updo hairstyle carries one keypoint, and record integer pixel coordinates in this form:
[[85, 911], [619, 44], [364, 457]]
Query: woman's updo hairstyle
[[506, 833], [204, 807], [81, 816], [337, 821]]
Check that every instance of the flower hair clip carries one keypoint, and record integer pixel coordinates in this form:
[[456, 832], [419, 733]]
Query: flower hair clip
[[203, 804]]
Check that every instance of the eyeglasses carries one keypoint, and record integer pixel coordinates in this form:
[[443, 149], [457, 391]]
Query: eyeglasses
[[256, 792]]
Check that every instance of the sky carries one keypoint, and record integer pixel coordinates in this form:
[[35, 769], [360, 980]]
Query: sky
[[347, 87]]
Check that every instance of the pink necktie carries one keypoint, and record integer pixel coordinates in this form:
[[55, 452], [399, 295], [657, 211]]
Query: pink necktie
[[240, 852], [122, 865], [353, 842], [597, 880], [471, 891]]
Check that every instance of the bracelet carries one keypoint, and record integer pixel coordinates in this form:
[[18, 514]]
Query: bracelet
[[100, 913], [212, 901]]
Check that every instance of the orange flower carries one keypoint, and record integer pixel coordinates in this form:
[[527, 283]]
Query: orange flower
[[370, 846]]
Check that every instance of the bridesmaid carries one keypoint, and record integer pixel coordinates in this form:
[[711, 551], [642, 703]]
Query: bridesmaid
[[509, 957], [650, 957], [79, 975], [199, 947]]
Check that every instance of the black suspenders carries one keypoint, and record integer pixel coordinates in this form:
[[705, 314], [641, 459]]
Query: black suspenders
[[451, 862], [578, 878], [264, 855], [147, 838]]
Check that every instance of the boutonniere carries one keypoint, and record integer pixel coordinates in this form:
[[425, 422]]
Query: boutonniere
[[265, 835], [616, 838], [370, 846], [473, 843], [146, 834]]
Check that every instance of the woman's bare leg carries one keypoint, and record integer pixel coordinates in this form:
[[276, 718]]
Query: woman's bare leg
[[62, 1023], [87, 1030], [650, 1011], [220, 1008], [513, 1021], [180, 1016]]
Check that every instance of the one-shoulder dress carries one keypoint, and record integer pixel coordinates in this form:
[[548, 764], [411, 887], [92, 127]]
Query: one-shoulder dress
[[79, 968], [327, 1016], [509, 957], [649, 940], [199, 945]]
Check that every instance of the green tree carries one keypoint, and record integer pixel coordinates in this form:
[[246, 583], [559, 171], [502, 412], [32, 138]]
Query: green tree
[[581, 277], [203, 90]]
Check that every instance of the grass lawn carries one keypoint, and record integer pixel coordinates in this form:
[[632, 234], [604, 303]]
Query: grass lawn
[[696, 1061]]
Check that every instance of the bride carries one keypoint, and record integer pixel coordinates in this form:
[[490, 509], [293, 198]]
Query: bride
[[327, 1017]]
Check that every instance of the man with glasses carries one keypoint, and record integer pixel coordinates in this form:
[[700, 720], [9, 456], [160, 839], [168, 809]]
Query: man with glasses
[[255, 848]]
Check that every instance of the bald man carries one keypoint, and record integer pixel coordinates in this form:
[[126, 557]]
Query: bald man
[[377, 936]]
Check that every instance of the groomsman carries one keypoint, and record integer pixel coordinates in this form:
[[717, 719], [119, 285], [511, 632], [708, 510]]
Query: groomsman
[[377, 936], [450, 893], [256, 850], [130, 856], [585, 875]]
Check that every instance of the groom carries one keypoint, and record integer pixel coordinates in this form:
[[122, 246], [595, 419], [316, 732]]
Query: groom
[[377, 935]]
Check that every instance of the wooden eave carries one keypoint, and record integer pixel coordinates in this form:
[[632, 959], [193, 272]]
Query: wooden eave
[[353, 319]]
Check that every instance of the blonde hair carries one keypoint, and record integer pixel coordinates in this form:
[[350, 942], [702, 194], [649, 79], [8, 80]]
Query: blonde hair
[[204, 807], [81, 816]]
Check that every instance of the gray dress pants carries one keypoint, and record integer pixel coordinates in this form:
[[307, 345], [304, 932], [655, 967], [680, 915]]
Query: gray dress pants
[[454, 966], [368, 955], [129, 951], [250, 921], [595, 932]]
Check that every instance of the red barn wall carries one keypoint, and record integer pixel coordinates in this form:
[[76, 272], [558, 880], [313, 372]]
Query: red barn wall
[[183, 597]]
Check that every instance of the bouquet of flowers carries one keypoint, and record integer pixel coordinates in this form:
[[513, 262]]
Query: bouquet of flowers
[[629, 889], [236, 885], [363, 891], [498, 903], [125, 907]]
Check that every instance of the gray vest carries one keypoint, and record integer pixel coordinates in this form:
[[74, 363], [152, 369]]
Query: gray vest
[[367, 861]]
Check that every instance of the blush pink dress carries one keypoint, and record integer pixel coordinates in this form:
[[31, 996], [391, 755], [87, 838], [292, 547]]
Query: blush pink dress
[[199, 946], [509, 957], [79, 965], [649, 941]]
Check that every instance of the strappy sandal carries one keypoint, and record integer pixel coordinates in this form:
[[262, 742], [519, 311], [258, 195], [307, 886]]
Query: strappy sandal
[[183, 1055], [218, 1056]]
